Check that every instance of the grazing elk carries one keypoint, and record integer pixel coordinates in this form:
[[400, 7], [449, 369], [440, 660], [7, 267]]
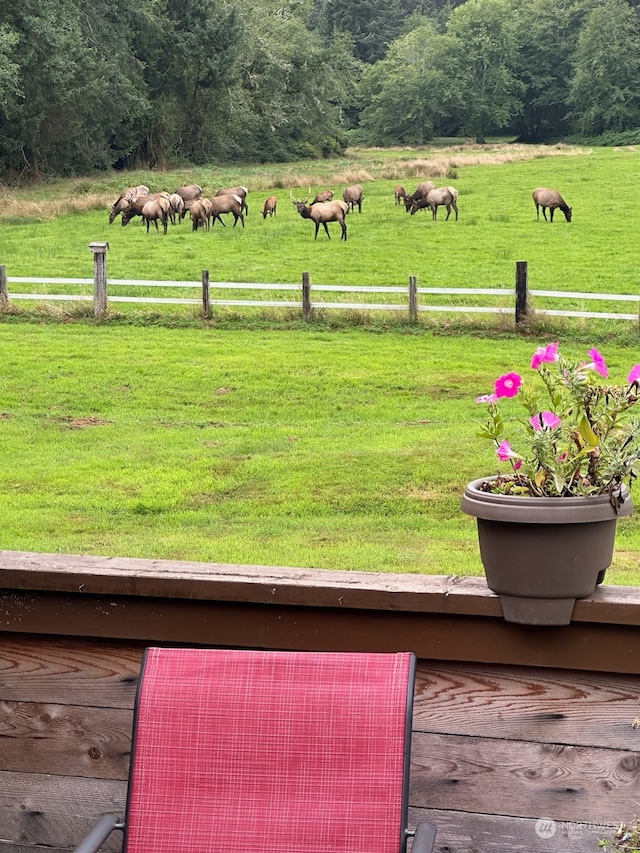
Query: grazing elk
[[126, 195], [323, 213], [353, 195], [400, 194], [227, 204], [270, 205], [200, 212], [325, 195], [189, 192], [239, 191], [443, 197], [421, 191], [133, 206], [549, 200], [176, 210], [155, 210]]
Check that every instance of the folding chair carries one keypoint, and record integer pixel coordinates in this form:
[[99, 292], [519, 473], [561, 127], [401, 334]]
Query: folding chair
[[269, 752]]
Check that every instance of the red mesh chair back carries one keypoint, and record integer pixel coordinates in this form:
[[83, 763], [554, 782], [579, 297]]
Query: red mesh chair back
[[270, 752]]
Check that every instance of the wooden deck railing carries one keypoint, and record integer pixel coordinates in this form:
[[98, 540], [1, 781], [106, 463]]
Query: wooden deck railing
[[523, 736]]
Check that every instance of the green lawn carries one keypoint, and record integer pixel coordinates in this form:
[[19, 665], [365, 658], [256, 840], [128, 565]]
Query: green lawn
[[313, 448]]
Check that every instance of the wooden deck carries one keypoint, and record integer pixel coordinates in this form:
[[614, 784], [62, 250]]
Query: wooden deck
[[518, 732]]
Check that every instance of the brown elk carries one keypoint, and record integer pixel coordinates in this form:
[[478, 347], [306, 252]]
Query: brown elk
[[125, 196], [399, 193], [419, 193], [239, 191], [325, 195], [154, 210], [133, 206], [443, 197], [227, 204], [323, 213], [549, 200], [176, 210], [354, 195], [200, 212], [270, 205], [189, 192]]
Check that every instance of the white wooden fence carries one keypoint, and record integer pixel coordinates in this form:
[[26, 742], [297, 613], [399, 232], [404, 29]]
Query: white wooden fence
[[410, 298]]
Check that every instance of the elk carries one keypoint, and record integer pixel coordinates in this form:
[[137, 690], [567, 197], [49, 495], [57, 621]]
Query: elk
[[270, 205], [189, 192], [200, 211], [323, 213], [126, 195], [156, 209], [443, 197], [227, 204], [354, 195], [176, 210], [399, 193], [133, 206], [420, 192], [550, 199], [239, 191], [325, 195]]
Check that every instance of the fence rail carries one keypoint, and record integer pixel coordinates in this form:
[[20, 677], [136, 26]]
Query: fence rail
[[409, 297]]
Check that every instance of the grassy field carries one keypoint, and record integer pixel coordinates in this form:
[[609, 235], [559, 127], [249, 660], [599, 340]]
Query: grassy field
[[597, 251], [344, 443]]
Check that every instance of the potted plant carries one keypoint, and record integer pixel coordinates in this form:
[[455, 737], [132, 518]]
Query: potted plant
[[546, 526]]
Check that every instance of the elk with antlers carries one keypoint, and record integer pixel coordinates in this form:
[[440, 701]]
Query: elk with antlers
[[322, 213]]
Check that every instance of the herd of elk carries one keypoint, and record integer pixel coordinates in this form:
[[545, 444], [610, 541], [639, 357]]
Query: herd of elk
[[162, 207]]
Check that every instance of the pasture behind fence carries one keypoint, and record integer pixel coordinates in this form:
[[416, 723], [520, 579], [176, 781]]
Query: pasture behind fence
[[411, 299]]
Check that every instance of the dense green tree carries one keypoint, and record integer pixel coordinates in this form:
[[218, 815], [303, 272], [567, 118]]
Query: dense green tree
[[547, 34], [485, 30], [375, 24], [411, 95], [605, 89]]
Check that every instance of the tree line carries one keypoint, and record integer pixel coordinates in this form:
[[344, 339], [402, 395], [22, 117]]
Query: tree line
[[100, 84]]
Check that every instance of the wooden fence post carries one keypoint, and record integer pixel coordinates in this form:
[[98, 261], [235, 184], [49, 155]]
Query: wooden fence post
[[413, 297], [4, 294], [99, 278], [306, 296], [206, 302], [521, 291]]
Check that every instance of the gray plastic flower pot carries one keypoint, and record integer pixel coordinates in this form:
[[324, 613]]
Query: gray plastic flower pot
[[541, 554]]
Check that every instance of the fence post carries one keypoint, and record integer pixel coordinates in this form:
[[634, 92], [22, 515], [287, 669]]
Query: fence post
[[306, 296], [206, 302], [99, 278], [4, 295], [521, 291], [413, 297]]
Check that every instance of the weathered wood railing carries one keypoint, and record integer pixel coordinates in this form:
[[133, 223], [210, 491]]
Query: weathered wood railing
[[520, 296], [523, 736]]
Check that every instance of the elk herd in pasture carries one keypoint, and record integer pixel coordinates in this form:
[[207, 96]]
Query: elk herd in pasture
[[162, 208]]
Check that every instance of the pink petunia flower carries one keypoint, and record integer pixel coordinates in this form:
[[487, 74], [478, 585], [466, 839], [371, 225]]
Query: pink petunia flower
[[508, 385], [545, 354], [505, 453], [486, 398], [545, 420], [598, 363], [634, 376]]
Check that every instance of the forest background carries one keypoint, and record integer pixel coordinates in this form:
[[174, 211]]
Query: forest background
[[94, 85]]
